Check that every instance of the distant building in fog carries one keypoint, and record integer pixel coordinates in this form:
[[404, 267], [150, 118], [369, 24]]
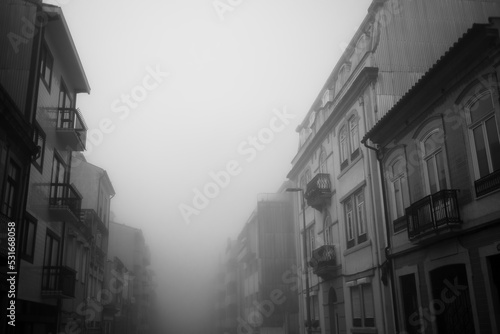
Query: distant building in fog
[[257, 290], [127, 244]]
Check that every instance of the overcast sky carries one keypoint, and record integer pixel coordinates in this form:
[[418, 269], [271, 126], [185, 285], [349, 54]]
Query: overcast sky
[[180, 90]]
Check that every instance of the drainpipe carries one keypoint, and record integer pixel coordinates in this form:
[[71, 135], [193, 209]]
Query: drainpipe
[[387, 231]]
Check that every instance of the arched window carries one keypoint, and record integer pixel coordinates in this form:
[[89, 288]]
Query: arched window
[[434, 161], [328, 230], [354, 135], [483, 133], [343, 145], [398, 185], [323, 166]]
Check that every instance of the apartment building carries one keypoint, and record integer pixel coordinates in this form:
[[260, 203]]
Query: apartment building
[[18, 77], [128, 244], [350, 286], [94, 185], [439, 148], [267, 289], [52, 275], [117, 313]]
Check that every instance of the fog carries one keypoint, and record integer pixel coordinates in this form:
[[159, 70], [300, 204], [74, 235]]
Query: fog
[[181, 91]]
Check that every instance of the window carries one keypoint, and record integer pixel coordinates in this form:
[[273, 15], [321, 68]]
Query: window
[[483, 133], [39, 140], [59, 174], [434, 161], [354, 137], [28, 237], [343, 148], [410, 302], [11, 189], [363, 311], [46, 66], [311, 239], [51, 259], [349, 141], [399, 197], [328, 230], [323, 167], [355, 217]]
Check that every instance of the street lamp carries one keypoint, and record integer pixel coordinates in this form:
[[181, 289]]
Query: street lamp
[[304, 245]]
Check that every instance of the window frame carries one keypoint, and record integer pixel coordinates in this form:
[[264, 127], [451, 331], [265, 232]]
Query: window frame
[[400, 175], [363, 322], [481, 122], [432, 154], [38, 134], [46, 62], [28, 220], [349, 142], [328, 230], [12, 186], [356, 218]]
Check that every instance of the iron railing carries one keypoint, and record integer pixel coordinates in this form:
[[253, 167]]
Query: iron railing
[[488, 183], [70, 120], [58, 281], [64, 195], [318, 190], [323, 258], [433, 212]]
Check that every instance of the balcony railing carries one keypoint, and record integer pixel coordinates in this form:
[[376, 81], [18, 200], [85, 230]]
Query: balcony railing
[[432, 213], [322, 261], [58, 282], [318, 191], [487, 184], [65, 202], [71, 128]]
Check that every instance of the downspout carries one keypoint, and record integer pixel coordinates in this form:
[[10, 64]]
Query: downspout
[[368, 168], [387, 249]]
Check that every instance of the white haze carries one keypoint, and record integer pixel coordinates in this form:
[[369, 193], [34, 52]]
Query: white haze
[[226, 77]]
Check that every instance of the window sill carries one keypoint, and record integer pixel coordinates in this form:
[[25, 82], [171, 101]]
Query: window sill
[[363, 330], [352, 163], [353, 249]]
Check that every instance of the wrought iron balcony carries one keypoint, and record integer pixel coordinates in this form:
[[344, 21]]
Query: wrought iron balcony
[[65, 202], [58, 282], [71, 128], [318, 191], [488, 184], [432, 213], [323, 260]]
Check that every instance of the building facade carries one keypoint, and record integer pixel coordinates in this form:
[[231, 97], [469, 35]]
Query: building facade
[[18, 88], [53, 276], [267, 297], [129, 246], [439, 149], [397, 42]]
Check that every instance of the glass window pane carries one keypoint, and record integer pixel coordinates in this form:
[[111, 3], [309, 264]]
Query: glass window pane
[[356, 302], [431, 174], [441, 170], [481, 107], [493, 143], [398, 198], [433, 142], [368, 301], [482, 159]]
